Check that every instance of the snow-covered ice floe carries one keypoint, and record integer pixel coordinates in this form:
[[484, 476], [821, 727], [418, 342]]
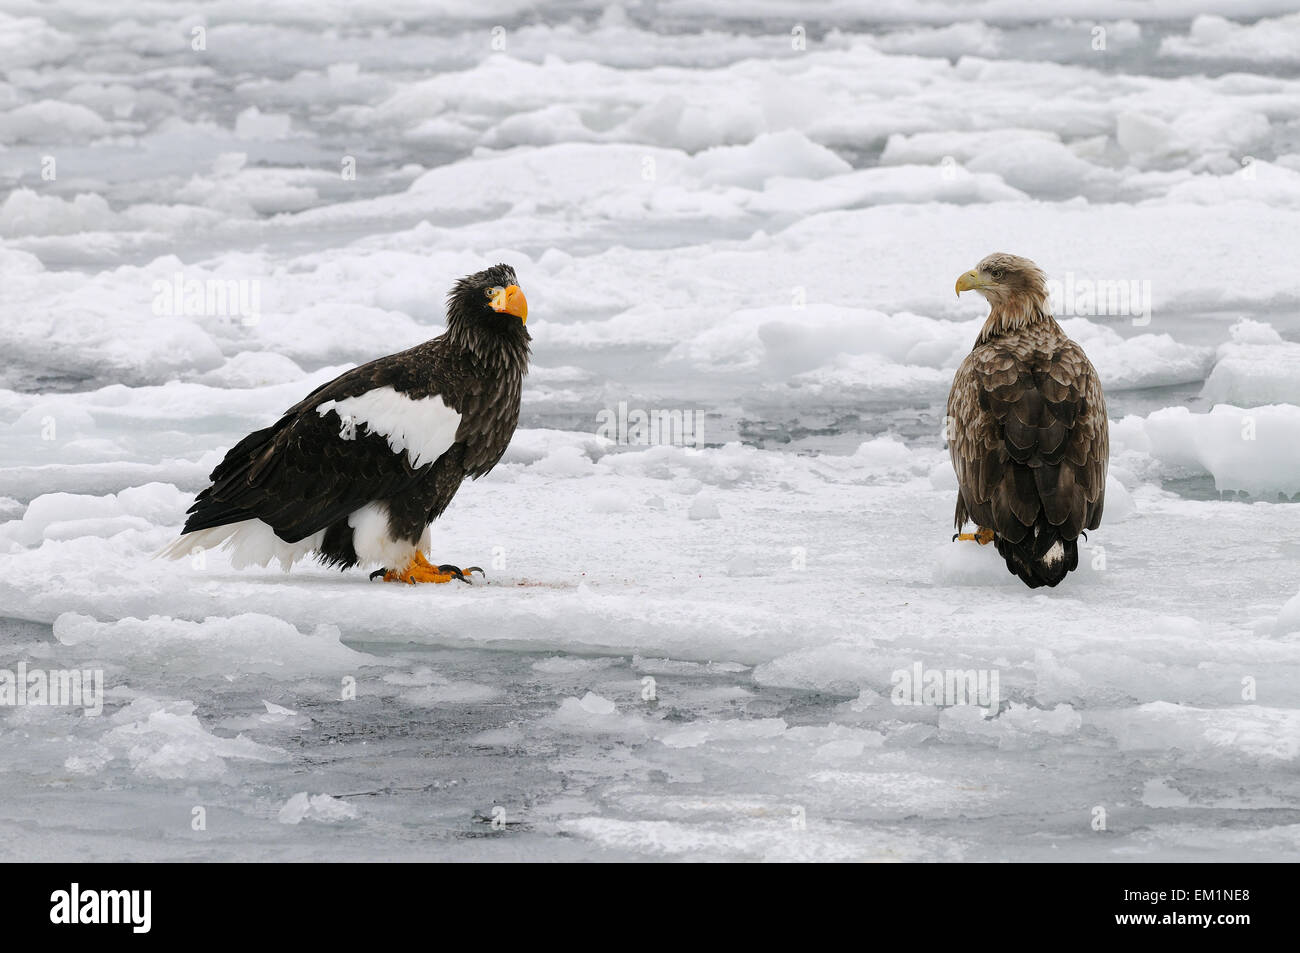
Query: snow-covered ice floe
[[752, 644]]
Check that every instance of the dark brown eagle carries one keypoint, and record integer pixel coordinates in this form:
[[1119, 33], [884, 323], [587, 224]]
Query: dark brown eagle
[[1026, 428], [357, 470]]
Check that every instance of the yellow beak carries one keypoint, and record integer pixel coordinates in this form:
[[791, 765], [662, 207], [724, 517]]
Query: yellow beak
[[511, 301], [969, 282]]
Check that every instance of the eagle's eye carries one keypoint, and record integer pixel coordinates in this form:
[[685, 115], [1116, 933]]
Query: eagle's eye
[[997, 274], [494, 291]]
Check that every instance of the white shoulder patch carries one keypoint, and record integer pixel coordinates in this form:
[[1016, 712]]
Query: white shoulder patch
[[425, 428]]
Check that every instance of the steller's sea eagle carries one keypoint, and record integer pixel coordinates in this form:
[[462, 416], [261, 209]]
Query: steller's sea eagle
[[357, 470], [1026, 428]]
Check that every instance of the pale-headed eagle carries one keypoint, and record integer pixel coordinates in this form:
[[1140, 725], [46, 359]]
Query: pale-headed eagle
[[1026, 428], [357, 470]]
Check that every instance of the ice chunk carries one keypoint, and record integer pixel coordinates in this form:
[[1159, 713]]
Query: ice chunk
[[1255, 367], [722, 732], [704, 507], [166, 740], [26, 42], [788, 153], [214, 646], [1020, 726], [1214, 37], [51, 120], [316, 807], [1256, 450], [252, 123], [254, 369], [1043, 167], [1248, 733], [25, 212], [596, 705]]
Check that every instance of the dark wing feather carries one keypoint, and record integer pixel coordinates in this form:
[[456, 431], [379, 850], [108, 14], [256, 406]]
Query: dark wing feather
[[300, 475], [1028, 435]]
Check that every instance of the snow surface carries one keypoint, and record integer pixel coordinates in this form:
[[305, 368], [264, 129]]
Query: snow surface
[[681, 652]]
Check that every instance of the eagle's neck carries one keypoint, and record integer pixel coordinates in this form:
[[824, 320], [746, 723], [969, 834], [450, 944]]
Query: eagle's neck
[[1012, 314], [501, 350]]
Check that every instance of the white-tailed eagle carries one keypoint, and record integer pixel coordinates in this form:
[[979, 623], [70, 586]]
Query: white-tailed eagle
[[1026, 428]]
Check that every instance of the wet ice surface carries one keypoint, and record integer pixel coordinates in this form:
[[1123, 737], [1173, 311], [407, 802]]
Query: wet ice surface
[[1121, 691], [471, 754], [704, 219]]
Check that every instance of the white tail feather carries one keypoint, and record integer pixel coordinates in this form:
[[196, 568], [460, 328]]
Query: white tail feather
[[251, 543]]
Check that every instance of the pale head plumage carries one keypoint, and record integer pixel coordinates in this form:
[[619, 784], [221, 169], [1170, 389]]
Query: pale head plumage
[[1015, 288]]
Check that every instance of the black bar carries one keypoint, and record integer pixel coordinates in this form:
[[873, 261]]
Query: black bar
[[301, 902]]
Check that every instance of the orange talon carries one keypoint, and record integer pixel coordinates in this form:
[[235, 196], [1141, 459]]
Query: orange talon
[[421, 570], [983, 537]]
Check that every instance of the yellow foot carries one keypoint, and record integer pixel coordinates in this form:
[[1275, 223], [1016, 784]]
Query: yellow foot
[[983, 537], [421, 570]]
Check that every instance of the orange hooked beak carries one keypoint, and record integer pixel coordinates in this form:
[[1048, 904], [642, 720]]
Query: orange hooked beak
[[511, 301]]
